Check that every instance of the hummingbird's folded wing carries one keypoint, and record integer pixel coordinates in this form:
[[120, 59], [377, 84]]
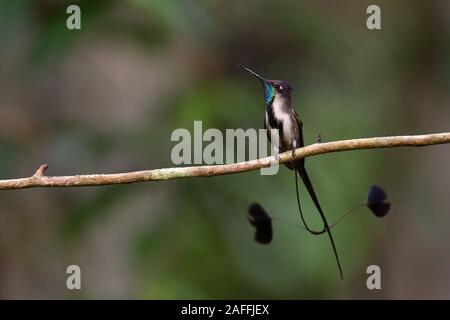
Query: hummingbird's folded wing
[[298, 130]]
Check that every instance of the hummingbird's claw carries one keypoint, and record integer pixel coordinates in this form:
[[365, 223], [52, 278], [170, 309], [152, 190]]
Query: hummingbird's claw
[[319, 138]]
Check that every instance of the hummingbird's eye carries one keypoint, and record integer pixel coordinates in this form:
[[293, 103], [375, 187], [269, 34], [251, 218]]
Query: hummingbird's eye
[[277, 86]]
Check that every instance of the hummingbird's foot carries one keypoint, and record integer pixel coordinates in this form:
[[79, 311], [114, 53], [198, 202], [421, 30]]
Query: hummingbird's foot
[[294, 146]]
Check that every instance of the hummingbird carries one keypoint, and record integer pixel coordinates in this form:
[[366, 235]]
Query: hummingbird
[[281, 115]]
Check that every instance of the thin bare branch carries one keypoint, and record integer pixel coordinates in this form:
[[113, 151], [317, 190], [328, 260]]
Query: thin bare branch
[[39, 179]]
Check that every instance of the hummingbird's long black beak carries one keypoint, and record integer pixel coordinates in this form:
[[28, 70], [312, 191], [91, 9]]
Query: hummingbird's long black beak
[[253, 73]]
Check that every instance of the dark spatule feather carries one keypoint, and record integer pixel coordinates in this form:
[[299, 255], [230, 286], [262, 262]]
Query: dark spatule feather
[[377, 201], [262, 222]]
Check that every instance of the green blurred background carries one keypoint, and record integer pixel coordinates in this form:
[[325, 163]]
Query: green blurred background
[[106, 99]]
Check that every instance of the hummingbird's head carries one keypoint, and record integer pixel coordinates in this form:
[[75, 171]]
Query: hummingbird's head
[[272, 88]]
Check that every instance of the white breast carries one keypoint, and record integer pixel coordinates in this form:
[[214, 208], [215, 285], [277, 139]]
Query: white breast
[[282, 113]]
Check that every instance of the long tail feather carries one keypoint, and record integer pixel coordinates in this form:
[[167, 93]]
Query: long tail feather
[[305, 224], [304, 175]]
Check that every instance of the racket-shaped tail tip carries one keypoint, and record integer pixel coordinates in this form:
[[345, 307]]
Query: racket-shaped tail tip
[[378, 202], [262, 222]]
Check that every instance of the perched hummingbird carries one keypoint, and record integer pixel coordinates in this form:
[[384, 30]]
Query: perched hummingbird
[[281, 115]]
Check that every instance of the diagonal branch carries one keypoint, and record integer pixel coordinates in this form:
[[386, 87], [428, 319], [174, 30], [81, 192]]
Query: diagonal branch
[[39, 179]]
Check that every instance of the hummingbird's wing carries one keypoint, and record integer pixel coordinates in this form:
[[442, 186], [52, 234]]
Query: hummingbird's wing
[[298, 130]]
